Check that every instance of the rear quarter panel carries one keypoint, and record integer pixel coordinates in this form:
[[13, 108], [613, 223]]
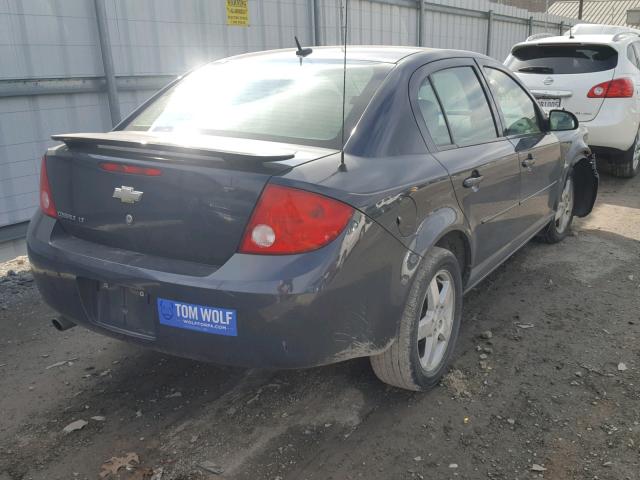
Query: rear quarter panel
[[410, 196]]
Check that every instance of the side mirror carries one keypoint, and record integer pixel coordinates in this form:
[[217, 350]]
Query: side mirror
[[562, 120]]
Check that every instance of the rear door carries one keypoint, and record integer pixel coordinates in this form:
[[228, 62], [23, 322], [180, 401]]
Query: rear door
[[454, 113], [560, 75], [538, 150]]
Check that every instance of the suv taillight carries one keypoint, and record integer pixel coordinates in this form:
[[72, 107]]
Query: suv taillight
[[46, 200], [288, 220], [617, 88]]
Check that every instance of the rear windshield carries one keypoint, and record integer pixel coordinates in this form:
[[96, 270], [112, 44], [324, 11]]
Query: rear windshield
[[277, 100], [562, 59]]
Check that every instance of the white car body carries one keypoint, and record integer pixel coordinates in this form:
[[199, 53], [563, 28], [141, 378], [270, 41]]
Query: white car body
[[565, 81]]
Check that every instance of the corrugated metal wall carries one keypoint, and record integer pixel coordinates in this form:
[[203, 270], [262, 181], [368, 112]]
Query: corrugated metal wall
[[370, 23], [45, 39]]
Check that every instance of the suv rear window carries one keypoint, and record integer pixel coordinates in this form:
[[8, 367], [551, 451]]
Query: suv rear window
[[563, 59]]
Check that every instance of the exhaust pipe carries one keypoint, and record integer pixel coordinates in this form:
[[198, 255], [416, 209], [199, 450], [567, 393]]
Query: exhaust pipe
[[62, 324]]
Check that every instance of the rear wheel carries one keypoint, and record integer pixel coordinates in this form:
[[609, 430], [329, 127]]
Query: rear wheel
[[428, 330], [560, 226], [630, 165]]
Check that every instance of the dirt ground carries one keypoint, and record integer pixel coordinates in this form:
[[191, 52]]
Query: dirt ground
[[554, 393]]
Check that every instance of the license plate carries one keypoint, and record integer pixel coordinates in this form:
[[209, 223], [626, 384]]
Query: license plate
[[119, 308], [201, 318], [549, 103]]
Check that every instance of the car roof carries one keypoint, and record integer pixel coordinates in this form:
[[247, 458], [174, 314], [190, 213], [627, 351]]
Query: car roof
[[371, 53], [611, 35], [601, 29]]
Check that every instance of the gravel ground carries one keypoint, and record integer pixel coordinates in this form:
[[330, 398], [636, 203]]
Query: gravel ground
[[545, 384], [14, 277]]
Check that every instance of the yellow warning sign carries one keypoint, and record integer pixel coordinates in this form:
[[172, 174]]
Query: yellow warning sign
[[238, 13]]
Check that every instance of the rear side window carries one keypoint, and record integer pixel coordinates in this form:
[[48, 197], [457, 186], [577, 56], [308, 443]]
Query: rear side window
[[465, 105], [636, 48], [631, 55], [432, 114], [563, 59]]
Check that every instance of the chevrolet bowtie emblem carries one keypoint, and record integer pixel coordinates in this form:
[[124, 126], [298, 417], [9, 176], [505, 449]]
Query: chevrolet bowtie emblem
[[127, 194]]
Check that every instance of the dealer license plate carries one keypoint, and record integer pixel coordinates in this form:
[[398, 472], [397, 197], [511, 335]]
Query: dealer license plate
[[201, 318]]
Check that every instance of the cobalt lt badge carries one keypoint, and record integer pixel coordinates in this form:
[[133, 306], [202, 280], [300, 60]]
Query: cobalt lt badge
[[127, 194]]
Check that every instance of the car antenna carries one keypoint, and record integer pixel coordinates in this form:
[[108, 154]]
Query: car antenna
[[344, 79], [302, 52]]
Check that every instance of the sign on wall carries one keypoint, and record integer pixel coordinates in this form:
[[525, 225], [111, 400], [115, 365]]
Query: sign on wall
[[238, 13]]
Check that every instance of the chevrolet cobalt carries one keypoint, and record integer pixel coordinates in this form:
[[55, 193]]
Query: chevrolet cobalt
[[246, 215]]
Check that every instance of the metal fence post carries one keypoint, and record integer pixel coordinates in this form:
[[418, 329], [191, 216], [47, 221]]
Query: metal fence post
[[489, 31], [530, 26], [580, 7], [421, 23], [312, 20], [316, 22], [107, 61], [561, 26]]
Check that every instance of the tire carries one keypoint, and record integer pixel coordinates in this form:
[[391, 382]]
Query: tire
[[560, 226], [406, 363], [630, 164]]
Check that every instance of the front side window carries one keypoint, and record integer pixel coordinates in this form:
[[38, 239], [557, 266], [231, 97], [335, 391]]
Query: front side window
[[517, 108], [432, 114], [274, 99], [465, 105]]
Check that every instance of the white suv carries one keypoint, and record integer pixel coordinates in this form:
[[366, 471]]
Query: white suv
[[594, 72]]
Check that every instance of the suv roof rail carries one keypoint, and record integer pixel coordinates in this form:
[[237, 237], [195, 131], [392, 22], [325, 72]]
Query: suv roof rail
[[538, 36], [621, 35]]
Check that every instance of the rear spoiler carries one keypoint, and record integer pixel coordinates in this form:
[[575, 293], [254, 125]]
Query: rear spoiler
[[198, 147]]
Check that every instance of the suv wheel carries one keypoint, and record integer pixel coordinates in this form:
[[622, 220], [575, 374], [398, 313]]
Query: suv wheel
[[630, 165], [559, 227], [421, 351]]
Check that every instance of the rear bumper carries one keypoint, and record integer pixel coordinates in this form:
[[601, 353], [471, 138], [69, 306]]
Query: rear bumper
[[615, 126], [339, 302]]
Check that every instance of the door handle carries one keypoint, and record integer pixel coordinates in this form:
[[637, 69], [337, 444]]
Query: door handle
[[529, 162], [473, 181]]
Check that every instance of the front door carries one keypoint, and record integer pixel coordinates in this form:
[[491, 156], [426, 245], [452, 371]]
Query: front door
[[538, 151], [451, 104]]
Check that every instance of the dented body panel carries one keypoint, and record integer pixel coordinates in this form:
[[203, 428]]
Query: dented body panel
[[292, 311]]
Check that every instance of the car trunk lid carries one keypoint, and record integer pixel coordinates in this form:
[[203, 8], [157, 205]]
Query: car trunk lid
[[564, 92], [183, 198]]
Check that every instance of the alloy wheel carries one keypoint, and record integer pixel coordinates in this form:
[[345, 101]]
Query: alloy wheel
[[565, 207], [436, 322]]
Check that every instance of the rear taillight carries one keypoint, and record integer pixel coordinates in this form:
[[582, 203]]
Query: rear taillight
[[130, 169], [288, 220], [46, 200], [617, 88]]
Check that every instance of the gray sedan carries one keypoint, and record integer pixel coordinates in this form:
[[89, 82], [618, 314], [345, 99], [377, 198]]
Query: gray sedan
[[241, 216]]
